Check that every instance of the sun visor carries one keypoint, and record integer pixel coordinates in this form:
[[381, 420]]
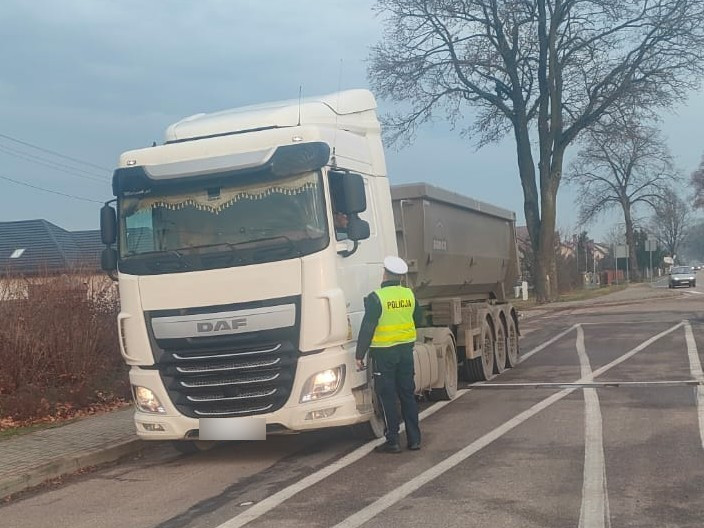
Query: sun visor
[[280, 161]]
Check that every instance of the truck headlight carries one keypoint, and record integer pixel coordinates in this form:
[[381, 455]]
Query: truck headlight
[[146, 400], [323, 384]]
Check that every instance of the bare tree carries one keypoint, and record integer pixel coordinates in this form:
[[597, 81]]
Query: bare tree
[[555, 67], [622, 164], [693, 244], [671, 221], [697, 180]]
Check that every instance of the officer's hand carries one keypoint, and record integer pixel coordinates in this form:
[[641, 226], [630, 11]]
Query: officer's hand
[[360, 365]]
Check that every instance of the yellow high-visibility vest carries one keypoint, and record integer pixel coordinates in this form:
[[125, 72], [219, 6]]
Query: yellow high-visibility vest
[[395, 325]]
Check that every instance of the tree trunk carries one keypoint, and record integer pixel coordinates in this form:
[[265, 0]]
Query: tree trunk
[[633, 272], [526, 169], [547, 263]]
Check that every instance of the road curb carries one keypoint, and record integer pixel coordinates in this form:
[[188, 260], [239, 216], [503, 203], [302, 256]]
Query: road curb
[[68, 464]]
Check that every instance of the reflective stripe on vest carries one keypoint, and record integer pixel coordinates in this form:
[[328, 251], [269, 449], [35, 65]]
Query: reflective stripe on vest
[[395, 325]]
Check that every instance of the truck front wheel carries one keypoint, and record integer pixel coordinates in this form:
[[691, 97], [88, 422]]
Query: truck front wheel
[[370, 430], [376, 426]]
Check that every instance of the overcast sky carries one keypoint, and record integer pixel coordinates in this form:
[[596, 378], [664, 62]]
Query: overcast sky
[[92, 78]]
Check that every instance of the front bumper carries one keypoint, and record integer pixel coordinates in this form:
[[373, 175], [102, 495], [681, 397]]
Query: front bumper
[[350, 403]]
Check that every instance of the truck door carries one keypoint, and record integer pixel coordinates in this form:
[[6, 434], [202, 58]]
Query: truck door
[[359, 272]]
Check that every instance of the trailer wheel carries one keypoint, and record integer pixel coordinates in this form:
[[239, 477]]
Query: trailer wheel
[[500, 347], [482, 368], [511, 344], [449, 390]]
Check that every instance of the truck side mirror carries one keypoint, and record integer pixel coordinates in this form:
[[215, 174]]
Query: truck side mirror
[[357, 229], [108, 225], [108, 259], [347, 189], [355, 198]]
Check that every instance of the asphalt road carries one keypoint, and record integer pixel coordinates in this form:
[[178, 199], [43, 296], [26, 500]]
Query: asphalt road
[[601, 424]]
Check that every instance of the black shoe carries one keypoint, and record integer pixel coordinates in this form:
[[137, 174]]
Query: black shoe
[[415, 446], [388, 447]]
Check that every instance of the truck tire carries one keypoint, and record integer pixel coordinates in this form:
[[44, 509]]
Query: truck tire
[[449, 390], [370, 430], [482, 368], [511, 343], [190, 447], [376, 426], [500, 349]]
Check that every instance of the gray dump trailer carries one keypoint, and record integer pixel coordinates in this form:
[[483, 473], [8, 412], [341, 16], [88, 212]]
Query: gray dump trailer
[[462, 261]]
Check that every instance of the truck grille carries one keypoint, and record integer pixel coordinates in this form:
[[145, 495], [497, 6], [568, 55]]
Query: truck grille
[[228, 375]]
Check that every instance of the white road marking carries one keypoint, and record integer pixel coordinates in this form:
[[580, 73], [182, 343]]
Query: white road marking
[[391, 498], [695, 367], [628, 355], [594, 511], [645, 321], [277, 498], [586, 385], [280, 496], [547, 343], [690, 292]]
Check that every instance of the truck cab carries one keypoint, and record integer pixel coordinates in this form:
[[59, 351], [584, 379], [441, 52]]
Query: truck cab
[[245, 245]]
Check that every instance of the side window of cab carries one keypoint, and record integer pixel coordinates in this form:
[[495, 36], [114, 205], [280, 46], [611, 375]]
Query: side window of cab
[[340, 219]]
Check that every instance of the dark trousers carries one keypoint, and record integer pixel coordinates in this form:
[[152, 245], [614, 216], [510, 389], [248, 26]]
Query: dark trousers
[[393, 377]]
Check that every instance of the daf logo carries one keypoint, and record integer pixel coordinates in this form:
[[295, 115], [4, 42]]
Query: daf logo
[[223, 324]]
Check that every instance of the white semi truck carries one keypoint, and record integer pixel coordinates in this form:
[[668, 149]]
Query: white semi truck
[[245, 245]]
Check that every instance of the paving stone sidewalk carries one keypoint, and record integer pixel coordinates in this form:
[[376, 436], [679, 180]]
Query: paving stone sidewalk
[[33, 458]]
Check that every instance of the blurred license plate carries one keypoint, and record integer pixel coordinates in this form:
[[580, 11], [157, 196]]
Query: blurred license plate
[[247, 428]]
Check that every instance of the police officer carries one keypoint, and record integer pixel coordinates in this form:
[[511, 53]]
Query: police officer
[[389, 331]]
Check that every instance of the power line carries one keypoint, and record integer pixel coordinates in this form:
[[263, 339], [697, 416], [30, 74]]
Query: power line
[[50, 190], [33, 157], [54, 153], [52, 164]]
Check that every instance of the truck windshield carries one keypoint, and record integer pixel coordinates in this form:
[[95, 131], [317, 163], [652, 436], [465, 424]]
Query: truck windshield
[[221, 225]]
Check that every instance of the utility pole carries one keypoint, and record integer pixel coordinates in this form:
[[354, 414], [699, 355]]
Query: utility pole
[[651, 265], [616, 261], [651, 245]]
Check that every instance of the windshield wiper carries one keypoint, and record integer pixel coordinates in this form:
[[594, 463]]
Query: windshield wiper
[[180, 258], [255, 243], [159, 264], [226, 256], [266, 245]]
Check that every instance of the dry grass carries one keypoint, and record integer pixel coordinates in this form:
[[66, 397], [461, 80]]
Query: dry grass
[[59, 354], [574, 295]]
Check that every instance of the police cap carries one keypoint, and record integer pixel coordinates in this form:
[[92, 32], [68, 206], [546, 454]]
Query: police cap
[[395, 265]]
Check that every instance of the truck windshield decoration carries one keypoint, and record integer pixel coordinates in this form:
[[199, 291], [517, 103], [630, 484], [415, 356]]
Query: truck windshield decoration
[[220, 225]]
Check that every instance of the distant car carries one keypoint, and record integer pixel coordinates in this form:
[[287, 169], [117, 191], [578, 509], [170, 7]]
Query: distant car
[[697, 267], [681, 275]]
